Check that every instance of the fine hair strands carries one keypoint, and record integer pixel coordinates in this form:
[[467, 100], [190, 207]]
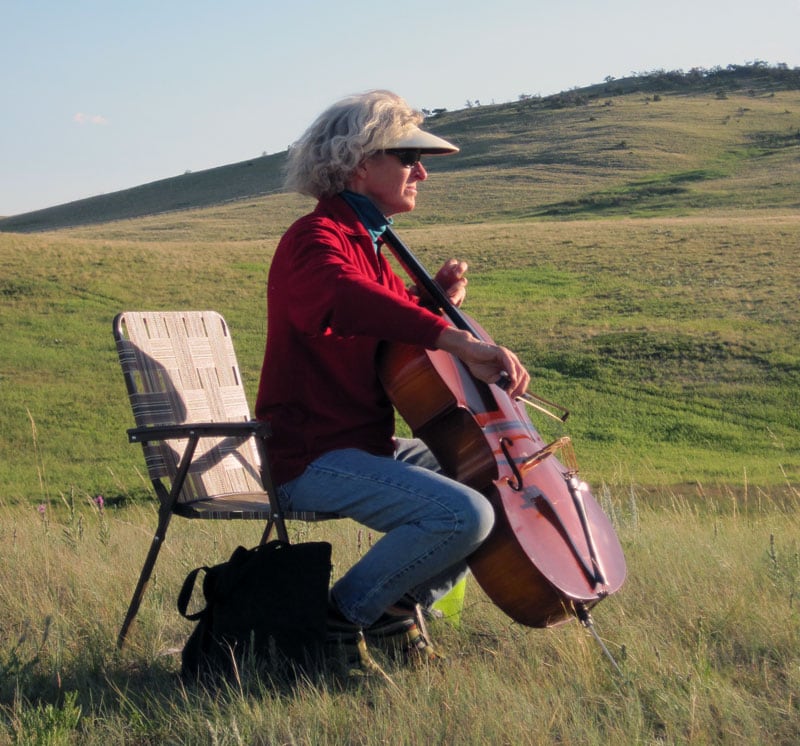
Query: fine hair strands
[[321, 162]]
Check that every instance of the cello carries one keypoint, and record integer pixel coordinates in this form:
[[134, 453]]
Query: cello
[[552, 554]]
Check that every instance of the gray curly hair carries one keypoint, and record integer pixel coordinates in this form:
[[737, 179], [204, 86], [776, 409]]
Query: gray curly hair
[[321, 162]]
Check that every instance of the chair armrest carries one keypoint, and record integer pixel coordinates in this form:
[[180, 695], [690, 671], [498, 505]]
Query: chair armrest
[[199, 430]]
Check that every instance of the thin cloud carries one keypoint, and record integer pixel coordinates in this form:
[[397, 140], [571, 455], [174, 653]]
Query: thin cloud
[[95, 119]]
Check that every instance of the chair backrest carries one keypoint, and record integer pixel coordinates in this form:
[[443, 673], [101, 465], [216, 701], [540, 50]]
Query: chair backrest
[[180, 367]]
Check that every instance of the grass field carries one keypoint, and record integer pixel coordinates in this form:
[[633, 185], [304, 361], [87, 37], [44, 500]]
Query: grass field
[[705, 632], [670, 340], [640, 253]]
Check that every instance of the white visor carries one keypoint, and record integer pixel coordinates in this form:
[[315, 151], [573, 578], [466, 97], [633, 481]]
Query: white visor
[[417, 139]]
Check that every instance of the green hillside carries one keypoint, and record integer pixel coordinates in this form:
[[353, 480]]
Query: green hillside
[[661, 142], [635, 242]]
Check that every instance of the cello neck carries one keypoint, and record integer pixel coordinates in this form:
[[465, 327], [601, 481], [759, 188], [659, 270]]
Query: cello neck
[[413, 267]]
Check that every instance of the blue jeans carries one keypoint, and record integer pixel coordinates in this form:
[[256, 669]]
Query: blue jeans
[[430, 523]]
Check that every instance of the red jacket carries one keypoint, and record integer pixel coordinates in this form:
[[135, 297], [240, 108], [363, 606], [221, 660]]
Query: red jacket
[[330, 302]]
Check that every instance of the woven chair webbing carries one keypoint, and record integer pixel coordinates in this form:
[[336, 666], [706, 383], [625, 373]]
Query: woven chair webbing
[[181, 367]]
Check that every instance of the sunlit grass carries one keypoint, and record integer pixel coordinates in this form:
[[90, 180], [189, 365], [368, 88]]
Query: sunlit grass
[[705, 631]]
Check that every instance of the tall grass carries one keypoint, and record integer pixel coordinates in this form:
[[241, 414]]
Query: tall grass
[[706, 633]]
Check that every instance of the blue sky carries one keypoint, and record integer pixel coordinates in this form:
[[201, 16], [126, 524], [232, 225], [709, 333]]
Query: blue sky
[[101, 95]]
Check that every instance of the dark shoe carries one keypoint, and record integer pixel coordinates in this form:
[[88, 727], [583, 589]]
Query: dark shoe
[[346, 645], [342, 637], [388, 626], [338, 625], [401, 632]]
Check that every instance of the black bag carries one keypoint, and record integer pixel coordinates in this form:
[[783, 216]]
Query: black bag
[[264, 601]]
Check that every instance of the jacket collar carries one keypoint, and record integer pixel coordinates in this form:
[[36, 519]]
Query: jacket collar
[[338, 210], [368, 213]]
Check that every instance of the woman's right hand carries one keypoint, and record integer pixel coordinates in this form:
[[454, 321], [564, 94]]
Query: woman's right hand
[[486, 361]]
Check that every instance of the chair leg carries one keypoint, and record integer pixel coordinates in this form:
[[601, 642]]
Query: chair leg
[[267, 531], [279, 524], [144, 577], [276, 518]]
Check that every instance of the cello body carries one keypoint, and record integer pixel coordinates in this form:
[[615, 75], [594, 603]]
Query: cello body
[[553, 553]]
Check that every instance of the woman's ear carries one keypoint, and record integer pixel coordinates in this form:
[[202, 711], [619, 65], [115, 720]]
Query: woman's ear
[[361, 169], [358, 175]]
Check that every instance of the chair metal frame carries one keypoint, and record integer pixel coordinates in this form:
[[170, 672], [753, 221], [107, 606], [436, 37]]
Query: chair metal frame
[[206, 457]]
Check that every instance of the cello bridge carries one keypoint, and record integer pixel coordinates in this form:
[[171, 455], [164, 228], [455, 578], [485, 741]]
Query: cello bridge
[[564, 445]]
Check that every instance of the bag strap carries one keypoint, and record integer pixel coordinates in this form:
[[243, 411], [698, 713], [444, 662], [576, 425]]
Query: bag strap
[[186, 593], [218, 580]]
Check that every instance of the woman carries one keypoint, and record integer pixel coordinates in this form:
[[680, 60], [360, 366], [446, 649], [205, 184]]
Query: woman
[[332, 298]]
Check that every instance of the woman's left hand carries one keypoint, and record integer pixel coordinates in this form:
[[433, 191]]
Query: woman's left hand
[[452, 279]]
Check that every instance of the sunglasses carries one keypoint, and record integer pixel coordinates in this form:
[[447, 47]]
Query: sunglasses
[[408, 158]]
